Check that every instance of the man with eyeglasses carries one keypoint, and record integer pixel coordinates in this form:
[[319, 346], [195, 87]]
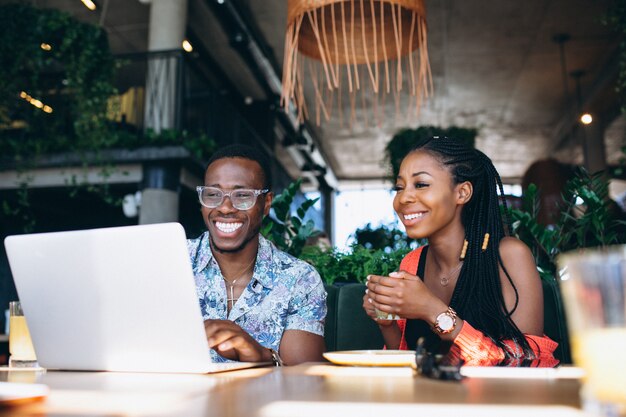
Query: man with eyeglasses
[[259, 303]]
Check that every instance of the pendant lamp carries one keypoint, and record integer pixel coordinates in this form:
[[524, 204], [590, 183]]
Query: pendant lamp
[[365, 51]]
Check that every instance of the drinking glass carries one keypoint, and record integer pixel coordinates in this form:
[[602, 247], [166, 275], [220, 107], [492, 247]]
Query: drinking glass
[[20, 344], [383, 315], [593, 284]]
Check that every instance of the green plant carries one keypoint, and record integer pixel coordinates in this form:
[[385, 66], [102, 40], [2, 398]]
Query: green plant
[[404, 140], [616, 19], [288, 231], [352, 266], [49, 56], [22, 211], [56, 75], [593, 223], [198, 144], [56, 81], [385, 237]]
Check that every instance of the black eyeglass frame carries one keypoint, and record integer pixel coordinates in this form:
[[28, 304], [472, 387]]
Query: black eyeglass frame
[[200, 189]]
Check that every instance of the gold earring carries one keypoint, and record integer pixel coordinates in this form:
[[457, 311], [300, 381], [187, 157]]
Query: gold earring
[[464, 250], [485, 242]]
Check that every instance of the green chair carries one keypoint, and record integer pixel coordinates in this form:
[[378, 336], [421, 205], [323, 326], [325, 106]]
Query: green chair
[[330, 327], [347, 325]]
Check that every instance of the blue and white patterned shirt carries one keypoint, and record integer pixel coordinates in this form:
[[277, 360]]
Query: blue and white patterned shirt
[[284, 293]]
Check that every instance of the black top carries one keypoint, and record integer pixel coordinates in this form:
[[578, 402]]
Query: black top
[[419, 328]]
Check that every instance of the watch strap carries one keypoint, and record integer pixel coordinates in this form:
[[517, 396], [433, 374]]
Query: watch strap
[[276, 359]]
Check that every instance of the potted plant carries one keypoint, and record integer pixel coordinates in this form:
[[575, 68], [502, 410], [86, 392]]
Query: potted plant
[[590, 219], [289, 230], [338, 268]]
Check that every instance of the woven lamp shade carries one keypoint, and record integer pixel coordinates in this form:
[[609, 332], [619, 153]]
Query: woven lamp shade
[[355, 45]]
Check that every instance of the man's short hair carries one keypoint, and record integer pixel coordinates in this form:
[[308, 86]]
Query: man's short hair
[[245, 152]]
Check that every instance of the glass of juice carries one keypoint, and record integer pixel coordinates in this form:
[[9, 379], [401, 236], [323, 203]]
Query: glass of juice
[[593, 285], [22, 353]]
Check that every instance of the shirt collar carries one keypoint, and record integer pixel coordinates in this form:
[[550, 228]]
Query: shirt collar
[[263, 272]]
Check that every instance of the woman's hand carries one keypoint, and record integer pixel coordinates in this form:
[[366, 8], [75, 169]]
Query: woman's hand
[[371, 312], [403, 294], [388, 328]]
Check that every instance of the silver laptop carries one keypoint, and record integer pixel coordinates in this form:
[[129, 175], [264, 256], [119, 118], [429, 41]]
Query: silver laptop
[[112, 299]]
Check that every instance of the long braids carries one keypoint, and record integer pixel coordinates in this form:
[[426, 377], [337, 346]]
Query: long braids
[[478, 293]]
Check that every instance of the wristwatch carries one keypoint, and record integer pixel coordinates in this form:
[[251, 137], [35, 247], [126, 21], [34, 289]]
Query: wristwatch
[[445, 322], [276, 357]]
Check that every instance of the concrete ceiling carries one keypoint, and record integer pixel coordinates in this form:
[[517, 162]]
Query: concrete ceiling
[[495, 66]]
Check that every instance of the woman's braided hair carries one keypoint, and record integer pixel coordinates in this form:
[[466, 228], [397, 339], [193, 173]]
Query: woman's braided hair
[[478, 294]]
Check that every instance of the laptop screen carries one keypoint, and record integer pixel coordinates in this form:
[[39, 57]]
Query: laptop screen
[[120, 299]]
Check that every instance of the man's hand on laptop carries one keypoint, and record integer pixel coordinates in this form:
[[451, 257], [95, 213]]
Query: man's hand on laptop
[[232, 342]]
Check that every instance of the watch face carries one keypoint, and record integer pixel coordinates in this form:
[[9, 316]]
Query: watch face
[[445, 322]]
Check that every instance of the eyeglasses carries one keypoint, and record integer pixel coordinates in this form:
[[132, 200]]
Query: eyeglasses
[[428, 364], [242, 199]]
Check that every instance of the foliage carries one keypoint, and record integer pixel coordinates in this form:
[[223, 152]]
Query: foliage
[[616, 19], [403, 141], [198, 144], [355, 265], [74, 78], [385, 237], [593, 223], [288, 231], [22, 211]]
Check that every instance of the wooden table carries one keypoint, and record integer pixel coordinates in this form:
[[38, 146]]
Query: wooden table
[[319, 390]]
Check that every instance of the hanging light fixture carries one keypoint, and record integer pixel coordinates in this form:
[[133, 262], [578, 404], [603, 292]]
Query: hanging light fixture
[[375, 48]]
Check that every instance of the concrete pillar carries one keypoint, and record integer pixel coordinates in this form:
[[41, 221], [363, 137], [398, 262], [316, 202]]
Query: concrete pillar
[[160, 186], [168, 20], [593, 146], [159, 196]]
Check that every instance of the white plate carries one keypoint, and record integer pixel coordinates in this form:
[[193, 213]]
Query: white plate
[[372, 357]]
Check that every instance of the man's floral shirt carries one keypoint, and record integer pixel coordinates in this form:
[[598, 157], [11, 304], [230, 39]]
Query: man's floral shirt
[[284, 293]]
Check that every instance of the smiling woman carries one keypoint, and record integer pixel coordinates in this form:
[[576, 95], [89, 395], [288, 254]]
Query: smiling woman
[[472, 291]]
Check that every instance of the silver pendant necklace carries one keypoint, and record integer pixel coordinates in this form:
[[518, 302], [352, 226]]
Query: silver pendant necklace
[[231, 285], [444, 280]]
